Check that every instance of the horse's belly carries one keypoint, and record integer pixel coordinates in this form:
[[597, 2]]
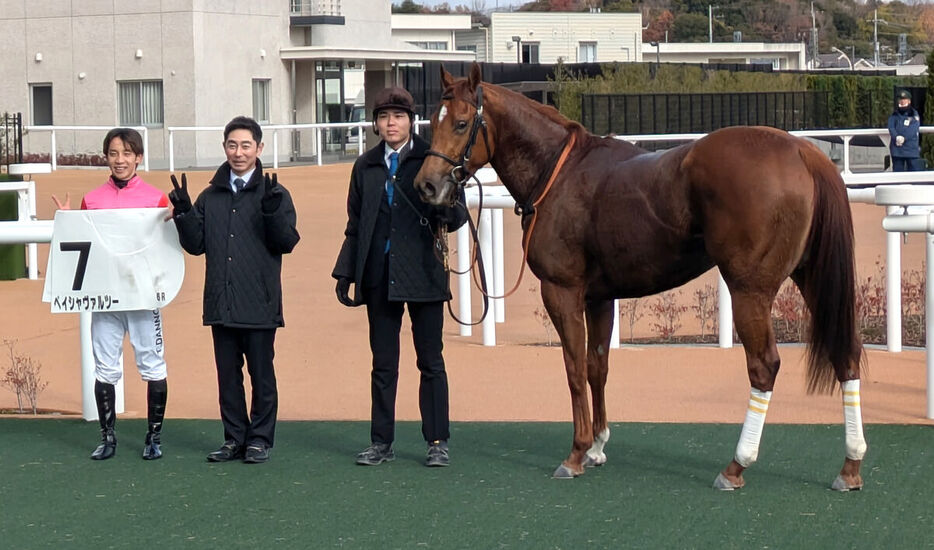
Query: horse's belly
[[631, 272]]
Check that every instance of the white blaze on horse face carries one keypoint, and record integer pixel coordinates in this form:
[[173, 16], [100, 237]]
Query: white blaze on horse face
[[747, 450], [442, 113], [853, 419]]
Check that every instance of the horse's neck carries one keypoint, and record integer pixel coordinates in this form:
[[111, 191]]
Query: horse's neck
[[527, 147]]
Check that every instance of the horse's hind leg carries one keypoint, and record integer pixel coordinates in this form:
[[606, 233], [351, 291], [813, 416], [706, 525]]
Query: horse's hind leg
[[752, 314], [566, 308], [600, 321]]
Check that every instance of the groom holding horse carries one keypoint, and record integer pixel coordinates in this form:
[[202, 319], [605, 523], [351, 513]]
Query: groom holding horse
[[389, 256]]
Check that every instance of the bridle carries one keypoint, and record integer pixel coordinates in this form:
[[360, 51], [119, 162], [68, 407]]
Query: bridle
[[478, 125]]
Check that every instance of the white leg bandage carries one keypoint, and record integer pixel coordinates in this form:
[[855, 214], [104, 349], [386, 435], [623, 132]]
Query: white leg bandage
[[595, 455], [747, 450], [853, 420]]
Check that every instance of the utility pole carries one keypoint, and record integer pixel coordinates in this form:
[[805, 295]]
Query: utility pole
[[875, 36], [814, 41], [710, 9]]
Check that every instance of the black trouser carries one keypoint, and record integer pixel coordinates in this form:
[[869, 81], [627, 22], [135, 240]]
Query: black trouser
[[385, 319], [903, 164], [231, 346]]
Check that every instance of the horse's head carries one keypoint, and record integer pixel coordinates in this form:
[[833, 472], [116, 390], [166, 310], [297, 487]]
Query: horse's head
[[460, 139]]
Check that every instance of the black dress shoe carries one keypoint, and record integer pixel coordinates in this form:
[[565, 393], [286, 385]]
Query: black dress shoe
[[228, 451], [376, 453], [256, 454], [437, 454]]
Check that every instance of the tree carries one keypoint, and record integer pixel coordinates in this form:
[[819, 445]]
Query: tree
[[689, 27], [408, 6], [659, 27]]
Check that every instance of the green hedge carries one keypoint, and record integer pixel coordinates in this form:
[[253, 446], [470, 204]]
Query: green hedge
[[854, 100]]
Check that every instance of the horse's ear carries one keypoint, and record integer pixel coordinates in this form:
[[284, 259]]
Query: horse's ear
[[446, 79], [476, 76]]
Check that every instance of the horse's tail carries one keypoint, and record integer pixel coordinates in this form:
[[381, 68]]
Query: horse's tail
[[828, 277]]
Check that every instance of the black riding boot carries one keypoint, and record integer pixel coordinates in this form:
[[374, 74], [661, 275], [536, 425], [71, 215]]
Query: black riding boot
[[157, 393], [106, 397]]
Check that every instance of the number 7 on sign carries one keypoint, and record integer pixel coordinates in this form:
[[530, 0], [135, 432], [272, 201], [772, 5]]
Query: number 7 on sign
[[83, 248]]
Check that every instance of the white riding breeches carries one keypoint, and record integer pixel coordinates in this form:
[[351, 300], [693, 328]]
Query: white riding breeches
[[145, 330]]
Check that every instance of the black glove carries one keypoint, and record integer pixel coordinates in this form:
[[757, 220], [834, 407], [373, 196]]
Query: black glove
[[272, 194], [343, 291], [181, 202]]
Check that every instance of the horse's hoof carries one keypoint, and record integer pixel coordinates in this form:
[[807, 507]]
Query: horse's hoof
[[594, 460], [564, 472], [841, 485], [724, 484]]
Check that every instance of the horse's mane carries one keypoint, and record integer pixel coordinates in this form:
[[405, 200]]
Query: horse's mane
[[552, 114]]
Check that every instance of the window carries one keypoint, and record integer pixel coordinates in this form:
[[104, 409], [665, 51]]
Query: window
[[530, 52], [261, 100], [141, 103], [41, 104], [468, 48], [587, 52], [430, 45]]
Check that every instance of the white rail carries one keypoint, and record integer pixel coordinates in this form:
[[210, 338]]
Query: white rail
[[496, 198], [55, 128]]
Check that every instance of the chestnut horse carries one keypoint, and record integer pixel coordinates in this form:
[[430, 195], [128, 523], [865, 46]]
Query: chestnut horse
[[604, 219]]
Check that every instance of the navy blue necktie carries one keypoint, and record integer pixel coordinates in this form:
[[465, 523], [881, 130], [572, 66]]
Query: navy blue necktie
[[239, 184], [393, 166]]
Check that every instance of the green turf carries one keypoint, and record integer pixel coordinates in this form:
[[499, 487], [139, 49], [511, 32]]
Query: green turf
[[653, 493]]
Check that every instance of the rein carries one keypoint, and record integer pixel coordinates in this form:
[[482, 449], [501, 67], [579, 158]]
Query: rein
[[528, 234]]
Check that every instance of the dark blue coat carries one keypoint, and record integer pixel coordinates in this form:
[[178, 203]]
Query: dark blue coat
[[416, 274], [907, 125]]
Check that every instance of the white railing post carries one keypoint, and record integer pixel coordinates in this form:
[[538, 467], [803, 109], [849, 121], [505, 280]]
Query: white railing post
[[725, 313], [463, 280], [171, 150], [929, 320], [275, 149], [893, 288], [146, 149], [52, 154], [318, 146], [846, 154], [32, 248], [499, 269], [360, 139], [486, 249], [614, 336]]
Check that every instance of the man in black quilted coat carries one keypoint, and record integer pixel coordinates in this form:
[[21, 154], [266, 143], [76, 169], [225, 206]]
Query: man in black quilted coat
[[389, 256], [243, 223]]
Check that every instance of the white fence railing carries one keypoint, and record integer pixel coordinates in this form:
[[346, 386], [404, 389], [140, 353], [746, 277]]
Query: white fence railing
[[274, 129], [53, 148], [846, 137]]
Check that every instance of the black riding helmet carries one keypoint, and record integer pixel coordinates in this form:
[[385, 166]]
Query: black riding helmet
[[393, 97]]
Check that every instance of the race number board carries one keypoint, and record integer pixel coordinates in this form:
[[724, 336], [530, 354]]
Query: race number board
[[113, 260]]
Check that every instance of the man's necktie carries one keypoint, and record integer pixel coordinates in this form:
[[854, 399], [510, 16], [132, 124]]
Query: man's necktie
[[239, 184], [393, 166]]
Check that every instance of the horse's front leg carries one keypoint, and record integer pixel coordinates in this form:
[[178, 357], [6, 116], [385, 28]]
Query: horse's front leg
[[566, 308], [600, 318]]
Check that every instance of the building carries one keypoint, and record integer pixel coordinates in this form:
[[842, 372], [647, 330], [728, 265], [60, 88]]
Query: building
[[549, 37], [196, 63], [780, 56]]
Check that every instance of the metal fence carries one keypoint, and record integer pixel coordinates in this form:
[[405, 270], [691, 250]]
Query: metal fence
[[702, 112], [11, 139]]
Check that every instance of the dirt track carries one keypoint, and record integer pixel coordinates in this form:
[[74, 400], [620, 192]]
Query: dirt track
[[323, 359]]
